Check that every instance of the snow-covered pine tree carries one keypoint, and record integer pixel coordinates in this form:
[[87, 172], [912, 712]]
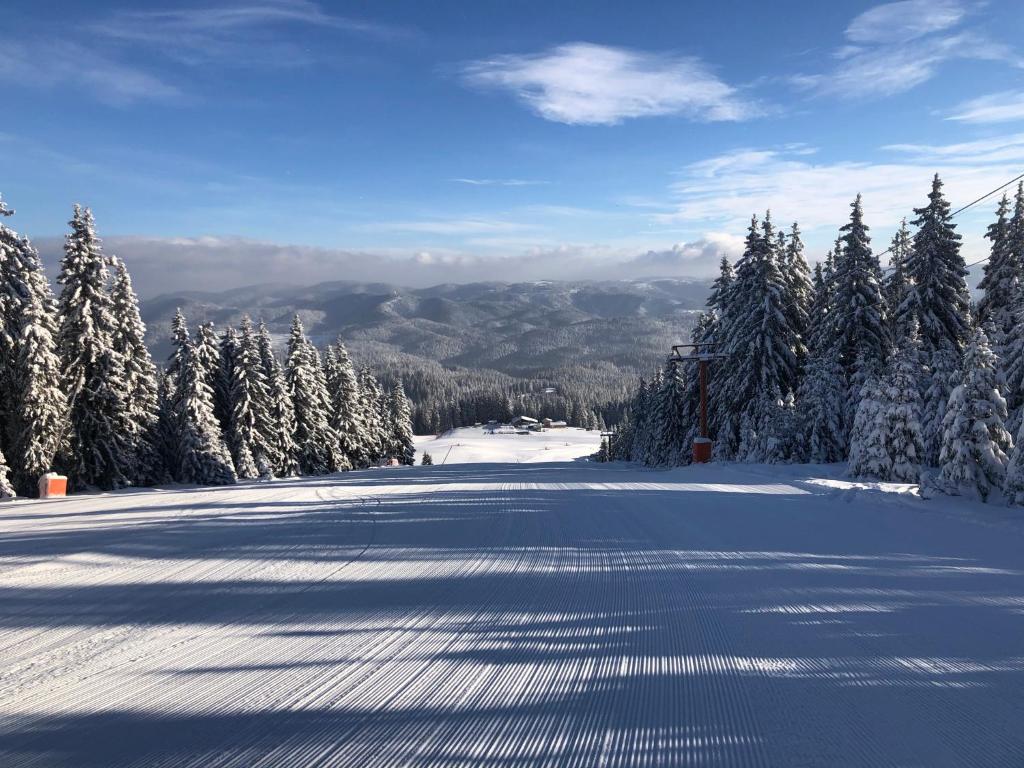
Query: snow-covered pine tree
[[205, 460], [719, 296], [129, 341], [38, 422], [859, 307], [180, 339], [316, 443], [668, 447], [32, 403], [249, 437], [942, 379], [168, 431], [904, 435], [207, 349], [1013, 488], [401, 426], [937, 294], [370, 399], [6, 489], [282, 414], [780, 434], [820, 420], [975, 442], [895, 285], [761, 344], [346, 414], [800, 291], [869, 458], [223, 376], [99, 448], [1001, 282]]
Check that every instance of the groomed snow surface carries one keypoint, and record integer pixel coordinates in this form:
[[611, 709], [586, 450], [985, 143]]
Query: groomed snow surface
[[513, 613]]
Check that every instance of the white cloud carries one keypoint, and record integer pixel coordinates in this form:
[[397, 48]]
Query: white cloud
[[898, 46], [52, 63], [501, 182], [722, 192], [455, 226], [588, 84], [1004, 107], [903, 21]]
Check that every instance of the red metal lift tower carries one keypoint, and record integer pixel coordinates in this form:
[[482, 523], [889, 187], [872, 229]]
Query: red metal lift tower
[[702, 354]]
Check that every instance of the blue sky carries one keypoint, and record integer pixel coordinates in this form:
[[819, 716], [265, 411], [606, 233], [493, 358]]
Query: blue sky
[[226, 144]]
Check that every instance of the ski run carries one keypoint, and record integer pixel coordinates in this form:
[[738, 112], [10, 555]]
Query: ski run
[[503, 610]]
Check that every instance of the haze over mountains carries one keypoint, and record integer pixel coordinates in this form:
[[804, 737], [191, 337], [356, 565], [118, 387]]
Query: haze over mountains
[[521, 329]]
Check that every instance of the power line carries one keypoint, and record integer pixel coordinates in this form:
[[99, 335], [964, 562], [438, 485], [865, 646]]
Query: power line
[[961, 210]]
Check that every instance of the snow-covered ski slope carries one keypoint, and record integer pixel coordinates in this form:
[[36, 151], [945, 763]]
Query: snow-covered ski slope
[[511, 614], [474, 445]]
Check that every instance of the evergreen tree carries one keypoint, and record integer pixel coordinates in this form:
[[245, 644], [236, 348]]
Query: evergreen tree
[[1001, 283], [346, 413], [128, 340], [6, 489], [869, 457], [38, 423], [668, 447], [370, 400], [761, 344], [975, 441], [719, 296], [249, 435], [1013, 488], [820, 421], [205, 459], [401, 426], [99, 449], [937, 294], [281, 412], [859, 307], [896, 285], [180, 339], [944, 376], [222, 376], [426, 460], [904, 436], [800, 290], [316, 443]]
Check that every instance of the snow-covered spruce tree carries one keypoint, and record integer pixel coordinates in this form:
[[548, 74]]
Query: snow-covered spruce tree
[[799, 289], [1001, 283], [99, 452], [223, 376], [281, 412], [781, 434], [32, 403], [975, 442], [648, 426], [316, 443], [820, 420], [869, 457], [205, 460], [129, 341], [207, 349], [180, 339], [249, 434], [942, 379], [370, 400], [761, 345], [401, 426], [346, 414], [168, 430], [668, 447], [859, 307], [895, 284], [38, 422], [719, 296], [904, 436], [1013, 488], [6, 489], [937, 293]]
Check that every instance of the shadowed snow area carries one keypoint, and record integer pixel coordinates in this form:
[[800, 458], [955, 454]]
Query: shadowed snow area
[[511, 614]]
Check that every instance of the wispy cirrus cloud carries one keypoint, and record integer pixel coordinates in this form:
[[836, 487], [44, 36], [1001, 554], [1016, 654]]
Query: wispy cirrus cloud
[[115, 67], [589, 84], [722, 191], [240, 34], [895, 47], [501, 182], [1004, 107]]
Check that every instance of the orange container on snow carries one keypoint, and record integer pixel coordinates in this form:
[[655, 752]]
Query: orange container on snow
[[51, 485]]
